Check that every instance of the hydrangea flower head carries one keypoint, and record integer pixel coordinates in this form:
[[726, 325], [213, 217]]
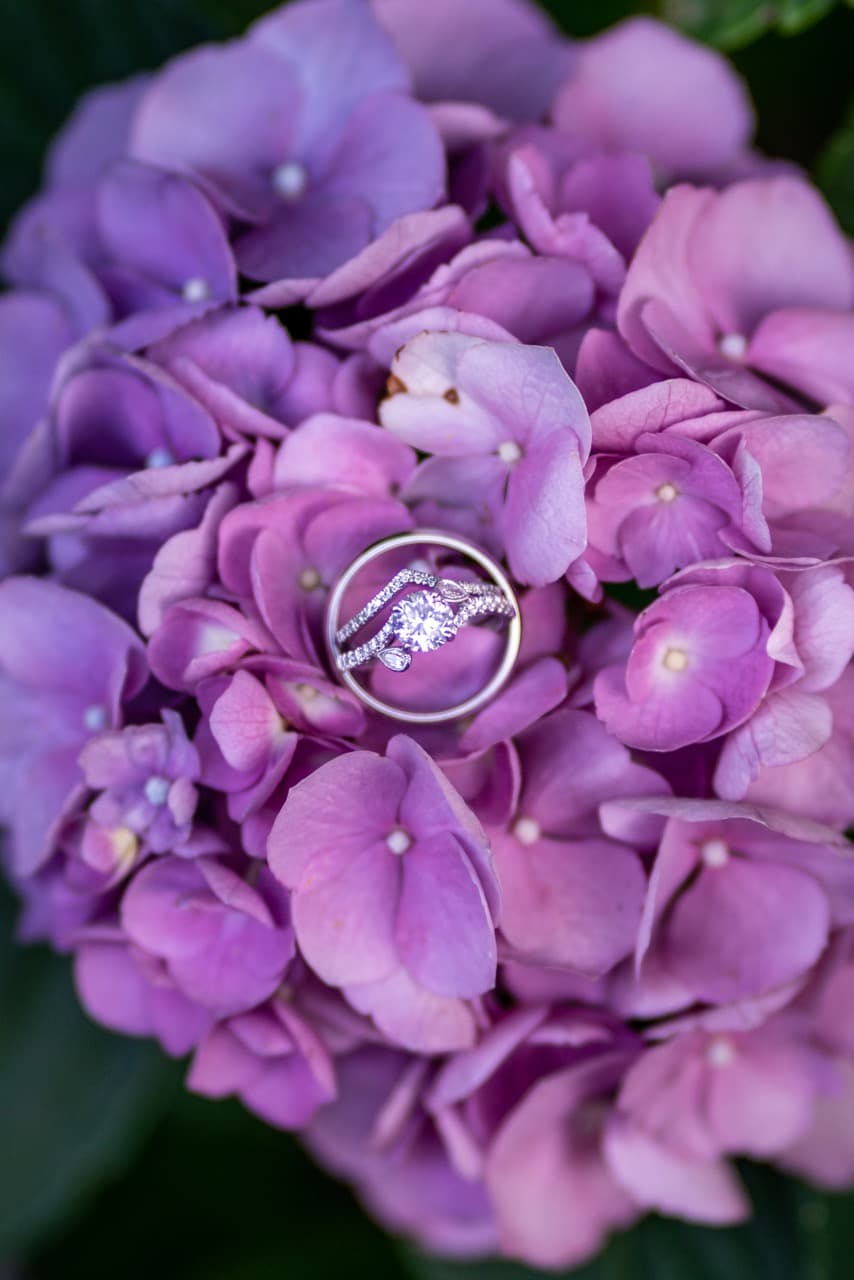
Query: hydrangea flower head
[[521, 977]]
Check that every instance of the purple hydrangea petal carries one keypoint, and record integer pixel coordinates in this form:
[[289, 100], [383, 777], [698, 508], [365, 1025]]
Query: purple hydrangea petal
[[643, 86], [504, 54], [443, 928], [553, 892], [718, 915]]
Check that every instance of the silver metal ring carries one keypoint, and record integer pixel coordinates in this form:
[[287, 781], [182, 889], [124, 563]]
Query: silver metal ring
[[422, 621]]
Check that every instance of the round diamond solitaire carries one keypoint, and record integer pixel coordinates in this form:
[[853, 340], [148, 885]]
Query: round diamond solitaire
[[423, 621]]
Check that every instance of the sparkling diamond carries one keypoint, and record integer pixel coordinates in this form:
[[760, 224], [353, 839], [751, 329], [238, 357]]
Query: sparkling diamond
[[395, 659], [452, 590], [423, 621]]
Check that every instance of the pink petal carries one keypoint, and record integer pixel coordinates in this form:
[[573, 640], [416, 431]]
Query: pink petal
[[344, 913], [414, 1018], [657, 1178], [745, 928], [443, 931], [576, 904]]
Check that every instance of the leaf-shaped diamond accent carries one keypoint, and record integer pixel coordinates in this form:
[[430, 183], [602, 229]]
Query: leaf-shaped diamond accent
[[395, 659], [451, 590]]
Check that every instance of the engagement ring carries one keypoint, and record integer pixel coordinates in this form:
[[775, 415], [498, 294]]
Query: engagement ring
[[427, 609]]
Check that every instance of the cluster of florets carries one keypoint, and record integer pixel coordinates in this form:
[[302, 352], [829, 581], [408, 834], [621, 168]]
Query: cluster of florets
[[376, 267]]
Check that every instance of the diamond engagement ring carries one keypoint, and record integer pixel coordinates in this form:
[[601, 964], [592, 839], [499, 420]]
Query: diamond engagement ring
[[427, 609]]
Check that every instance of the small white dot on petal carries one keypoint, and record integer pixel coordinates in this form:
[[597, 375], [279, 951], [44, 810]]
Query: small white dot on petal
[[675, 660], [309, 579], [715, 852], [160, 457], [196, 289], [157, 790], [733, 346], [527, 830], [720, 1052], [95, 718], [398, 841], [666, 492], [509, 452], [290, 180]]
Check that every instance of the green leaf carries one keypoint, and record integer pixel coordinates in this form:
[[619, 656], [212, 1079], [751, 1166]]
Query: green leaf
[[835, 173], [794, 15], [218, 1195], [731, 24], [76, 1101]]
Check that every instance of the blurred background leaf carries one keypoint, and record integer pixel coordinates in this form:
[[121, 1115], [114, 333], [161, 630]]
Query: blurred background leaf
[[77, 1103], [217, 1195], [730, 24], [835, 172], [106, 1164]]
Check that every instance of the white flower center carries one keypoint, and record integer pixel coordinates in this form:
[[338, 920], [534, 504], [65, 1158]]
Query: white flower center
[[196, 289], [733, 346], [666, 492], [675, 660], [157, 790], [720, 1052], [715, 852], [290, 180], [527, 830], [159, 457], [398, 841], [309, 579], [509, 452], [95, 718]]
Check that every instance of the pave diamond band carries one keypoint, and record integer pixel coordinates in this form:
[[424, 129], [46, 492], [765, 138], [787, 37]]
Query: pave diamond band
[[428, 606], [420, 622]]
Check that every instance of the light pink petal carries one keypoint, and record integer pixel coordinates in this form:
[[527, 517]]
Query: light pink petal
[[327, 449], [245, 723], [825, 1154], [643, 86], [414, 1018], [544, 521], [576, 904], [423, 413], [660, 271], [768, 243], [444, 932], [764, 1100], [745, 928], [807, 348], [554, 1196], [824, 625], [617, 424], [658, 1178], [344, 919], [344, 806], [787, 727]]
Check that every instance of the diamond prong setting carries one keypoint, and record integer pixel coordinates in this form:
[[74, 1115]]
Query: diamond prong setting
[[423, 621]]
